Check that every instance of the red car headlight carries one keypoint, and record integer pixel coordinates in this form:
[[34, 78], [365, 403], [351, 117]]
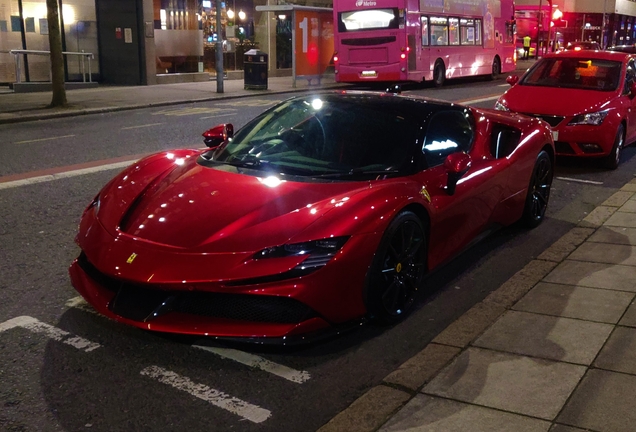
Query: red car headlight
[[318, 252], [595, 118]]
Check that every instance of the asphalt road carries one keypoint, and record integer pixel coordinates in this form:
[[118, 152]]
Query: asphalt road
[[64, 368]]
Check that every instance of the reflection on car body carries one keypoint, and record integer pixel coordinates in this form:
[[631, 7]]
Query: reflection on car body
[[323, 211]]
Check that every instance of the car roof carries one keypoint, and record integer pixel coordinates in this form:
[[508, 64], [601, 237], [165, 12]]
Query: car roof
[[592, 54]]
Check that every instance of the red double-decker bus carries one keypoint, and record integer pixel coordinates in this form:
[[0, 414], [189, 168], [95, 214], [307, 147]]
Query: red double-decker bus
[[422, 40]]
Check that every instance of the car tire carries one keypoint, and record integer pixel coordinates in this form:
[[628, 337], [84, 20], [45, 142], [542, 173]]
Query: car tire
[[397, 269], [612, 160], [439, 74], [496, 68], [538, 191]]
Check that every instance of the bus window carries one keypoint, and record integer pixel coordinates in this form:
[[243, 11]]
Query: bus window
[[467, 31], [424, 31], [453, 31], [439, 31], [368, 20], [477, 32], [511, 28]]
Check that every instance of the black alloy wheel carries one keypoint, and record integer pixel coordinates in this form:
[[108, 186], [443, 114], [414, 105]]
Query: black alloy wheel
[[538, 191], [439, 74], [496, 68], [397, 269], [612, 160]]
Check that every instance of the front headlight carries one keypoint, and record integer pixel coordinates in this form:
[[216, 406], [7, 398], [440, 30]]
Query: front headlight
[[500, 107], [318, 252], [594, 119]]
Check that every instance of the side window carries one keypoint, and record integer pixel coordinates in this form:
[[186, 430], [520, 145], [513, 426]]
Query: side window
[[630, 75], [448, 132], [424, 31], [503, 140]]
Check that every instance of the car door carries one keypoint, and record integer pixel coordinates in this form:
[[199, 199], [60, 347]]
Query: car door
[[458, 218]]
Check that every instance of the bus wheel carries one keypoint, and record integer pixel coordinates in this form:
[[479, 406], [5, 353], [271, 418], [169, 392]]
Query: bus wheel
[[496, 68], [439, 74]]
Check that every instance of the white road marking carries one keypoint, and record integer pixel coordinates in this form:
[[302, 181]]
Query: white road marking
[[192, 111], [141, 126], [215, 116], [249, 102], [474, 101], [259, 363], [43, 139], [54, 333], [79, 303], [74, 173], [504, 85], [579, 180], [234, 405]]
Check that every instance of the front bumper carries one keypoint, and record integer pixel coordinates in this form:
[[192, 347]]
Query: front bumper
[[583, 140]]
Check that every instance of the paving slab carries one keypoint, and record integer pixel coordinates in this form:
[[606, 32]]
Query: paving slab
[[629, 206], [594, 275], [368, 412], [604, 401], [618, 198], [470, 325], [605, 253], [621, 219], [629, 319], [619, 354], [591, 304], [615, 235], [564, 246], [597, 216], [430, 414], [547, 337], [420, 368], [563, 428], [509, 382]]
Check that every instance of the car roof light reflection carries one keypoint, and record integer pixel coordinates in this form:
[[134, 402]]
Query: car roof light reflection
[[316, 104], [271, 181]]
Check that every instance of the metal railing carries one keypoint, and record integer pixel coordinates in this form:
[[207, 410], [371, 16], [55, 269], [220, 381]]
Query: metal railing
[[17, 53]]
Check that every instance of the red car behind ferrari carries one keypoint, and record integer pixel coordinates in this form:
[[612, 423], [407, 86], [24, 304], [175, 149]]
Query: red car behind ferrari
[[323, 211]]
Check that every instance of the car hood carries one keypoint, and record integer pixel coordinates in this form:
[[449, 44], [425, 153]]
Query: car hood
[[218, 209], [554, 100]]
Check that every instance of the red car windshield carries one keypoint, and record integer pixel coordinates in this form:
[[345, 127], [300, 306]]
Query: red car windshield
[[578, 73]]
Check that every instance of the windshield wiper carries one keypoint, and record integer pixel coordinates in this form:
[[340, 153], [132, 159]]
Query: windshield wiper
[[356, 172]]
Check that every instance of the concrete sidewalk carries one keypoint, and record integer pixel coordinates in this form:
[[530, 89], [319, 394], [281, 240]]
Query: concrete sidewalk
[[553, 349], [19, 107]]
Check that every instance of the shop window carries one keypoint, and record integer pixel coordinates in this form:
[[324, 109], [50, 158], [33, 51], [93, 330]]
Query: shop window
[[16, 24]]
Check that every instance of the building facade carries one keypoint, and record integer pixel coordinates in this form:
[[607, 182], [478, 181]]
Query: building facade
[[138, 42]]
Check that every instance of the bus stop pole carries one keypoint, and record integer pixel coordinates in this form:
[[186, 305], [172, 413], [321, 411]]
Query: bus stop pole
[[219, 49]]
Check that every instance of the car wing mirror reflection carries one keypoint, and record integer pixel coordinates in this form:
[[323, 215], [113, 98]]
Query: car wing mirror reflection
[[217, 135], [512, 80], [456, 165]]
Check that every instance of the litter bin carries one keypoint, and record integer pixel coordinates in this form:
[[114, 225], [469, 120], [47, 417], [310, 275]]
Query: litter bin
[[255, 70]]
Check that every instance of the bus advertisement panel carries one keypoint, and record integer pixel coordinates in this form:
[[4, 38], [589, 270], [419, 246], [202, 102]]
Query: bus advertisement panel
[[422, 40]]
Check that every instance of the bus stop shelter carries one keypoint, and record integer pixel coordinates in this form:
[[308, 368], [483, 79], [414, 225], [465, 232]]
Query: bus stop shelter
[[312, 39]]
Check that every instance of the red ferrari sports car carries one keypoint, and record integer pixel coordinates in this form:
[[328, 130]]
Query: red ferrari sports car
[[586, 96], [323, 211]]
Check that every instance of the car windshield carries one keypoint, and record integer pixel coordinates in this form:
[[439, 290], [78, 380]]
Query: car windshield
[[328, 137], [578, 73]]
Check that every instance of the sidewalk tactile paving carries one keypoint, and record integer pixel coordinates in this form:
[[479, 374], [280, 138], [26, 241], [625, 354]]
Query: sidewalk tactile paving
[[594, 275], [430, 414], [510, 382], [605, 253], [591, 304], [548, 337], [619, 354], [603, 402]]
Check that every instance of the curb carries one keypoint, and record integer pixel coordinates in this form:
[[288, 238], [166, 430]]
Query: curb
[[374, 408]]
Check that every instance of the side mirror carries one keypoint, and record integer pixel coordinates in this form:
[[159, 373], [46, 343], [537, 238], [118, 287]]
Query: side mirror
[[218, 134], [456, 165], [512, 80]]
